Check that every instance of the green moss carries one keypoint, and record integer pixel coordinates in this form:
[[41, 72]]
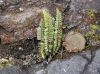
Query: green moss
[[95, 27], [5, 63], [93, 35], [88, 47], [91, 13]]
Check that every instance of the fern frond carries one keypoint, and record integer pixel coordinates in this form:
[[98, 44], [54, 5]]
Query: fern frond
[[49, 33], [58, 30]]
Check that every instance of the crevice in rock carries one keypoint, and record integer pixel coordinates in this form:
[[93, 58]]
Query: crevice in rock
[[89, 61], [67, 7], [85, 57]]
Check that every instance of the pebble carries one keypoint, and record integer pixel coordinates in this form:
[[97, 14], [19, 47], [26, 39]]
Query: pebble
[[21, 9]]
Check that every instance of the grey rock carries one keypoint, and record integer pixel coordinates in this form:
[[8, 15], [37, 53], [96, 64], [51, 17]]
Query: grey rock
[[40, 72], [72, 66], [86, 54], [94, 67], [75, 65], [13, 70]]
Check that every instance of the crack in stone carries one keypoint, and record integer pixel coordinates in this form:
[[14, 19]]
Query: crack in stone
[[85, 57], [89, 61]]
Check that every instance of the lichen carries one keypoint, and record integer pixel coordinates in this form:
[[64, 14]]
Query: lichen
[[5, 63]]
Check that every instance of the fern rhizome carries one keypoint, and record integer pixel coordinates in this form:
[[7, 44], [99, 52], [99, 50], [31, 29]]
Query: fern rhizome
[[49, 33]]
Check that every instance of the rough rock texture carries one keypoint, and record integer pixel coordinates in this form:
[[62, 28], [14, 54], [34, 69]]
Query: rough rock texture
[[18, 26], [18, 22], [94, 67], [75, 17], [87, 62], [67, 66]]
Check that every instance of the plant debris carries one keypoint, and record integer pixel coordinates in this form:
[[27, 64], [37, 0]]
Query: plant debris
[[74, 42]]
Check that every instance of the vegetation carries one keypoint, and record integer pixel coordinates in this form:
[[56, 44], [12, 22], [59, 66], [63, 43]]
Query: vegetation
[[49, 33]]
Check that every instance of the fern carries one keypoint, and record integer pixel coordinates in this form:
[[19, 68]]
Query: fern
[[58, 31], [49, 33]]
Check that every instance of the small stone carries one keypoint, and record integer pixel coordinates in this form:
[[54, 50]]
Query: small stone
[[20, 48], [74, 42], [21, 9]]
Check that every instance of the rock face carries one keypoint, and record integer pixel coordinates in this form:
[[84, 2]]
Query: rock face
[[74, 42], [17, 22], [19, 25], [94, 67], [67, 66], [83, 63]]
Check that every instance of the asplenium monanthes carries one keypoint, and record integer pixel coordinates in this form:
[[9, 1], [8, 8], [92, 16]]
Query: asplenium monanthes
[[49, 33]]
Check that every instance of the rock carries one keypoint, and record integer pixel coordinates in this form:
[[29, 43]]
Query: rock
[[19, 25], [75, 65], [12, 1], [13, 21], [86, 54], [74, 42], [40, 72], [94, 67], [69, 66]]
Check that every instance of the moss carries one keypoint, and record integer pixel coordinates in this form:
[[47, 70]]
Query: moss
[[95, 27], [5, 63], [93, 36], [89, 46], [91, 14]]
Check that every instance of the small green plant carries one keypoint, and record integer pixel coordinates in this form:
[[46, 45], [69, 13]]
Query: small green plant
[[91, 13], [93, 28], [49, 33]]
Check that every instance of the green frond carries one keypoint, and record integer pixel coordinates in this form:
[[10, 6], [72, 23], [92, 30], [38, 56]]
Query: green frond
[[49, 33], [58, 30]]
